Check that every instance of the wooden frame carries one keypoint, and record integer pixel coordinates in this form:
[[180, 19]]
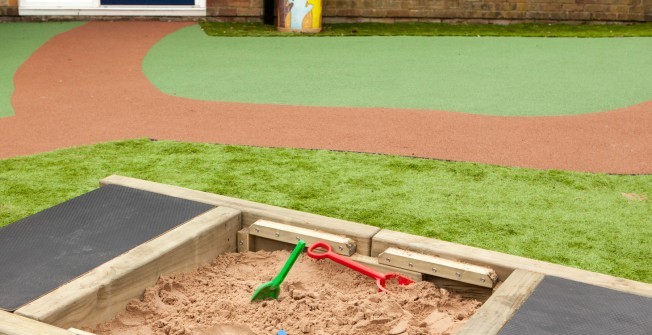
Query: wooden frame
[[503, 264], [79, 332], [439, 267], [492, 316], [248, 238], [96, 296], [253, 211], [12, 324], [291, 234]]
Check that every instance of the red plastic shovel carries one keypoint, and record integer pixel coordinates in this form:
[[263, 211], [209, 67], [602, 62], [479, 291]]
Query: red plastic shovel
[[380, 277]]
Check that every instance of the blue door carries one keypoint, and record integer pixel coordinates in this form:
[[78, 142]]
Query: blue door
[[149, 2]]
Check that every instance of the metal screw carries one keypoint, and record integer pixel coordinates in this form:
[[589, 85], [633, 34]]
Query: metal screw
[[458, 274], [257, 230], [387, 259], [411, 265], [482, 280], [340, 248], [277, 234], [241, 242], [298, 239], [434, 269]]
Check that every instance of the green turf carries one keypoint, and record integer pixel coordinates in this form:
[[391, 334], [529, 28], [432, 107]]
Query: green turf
[[488, 75], [17, 42], [436, 29], [577, 219]]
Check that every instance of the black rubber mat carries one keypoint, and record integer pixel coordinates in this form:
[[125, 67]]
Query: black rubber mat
[[52, 247], [564, 307]]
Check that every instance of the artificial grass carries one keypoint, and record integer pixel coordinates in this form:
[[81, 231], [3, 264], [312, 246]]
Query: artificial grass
[[19, 41], [576, 219], [436, 29], [489, 75]]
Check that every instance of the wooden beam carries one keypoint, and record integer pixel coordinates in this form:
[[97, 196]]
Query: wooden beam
[[463, 289], [503, 264], [79, 332], [245, 241], [492, 316], [253, 211], [292, 234], [100, 294], [261, 243], [439, 267], [372, 262], [12, 324]]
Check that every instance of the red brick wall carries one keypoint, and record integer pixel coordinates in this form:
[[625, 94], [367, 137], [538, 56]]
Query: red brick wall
[[8, 7], [243, 9], [454, 10], [437, 10]]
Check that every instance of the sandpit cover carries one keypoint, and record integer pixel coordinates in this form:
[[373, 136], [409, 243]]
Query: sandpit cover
[[561, 306], [50, 248]]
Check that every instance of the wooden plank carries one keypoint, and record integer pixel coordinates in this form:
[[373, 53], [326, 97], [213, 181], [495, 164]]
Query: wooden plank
[[492, 316], [12, 324], [101, 293], [261, 243], [79, 332], [439, 267], [292, 234], [503, 264], [372, 262], [253, 211], [465, 290], [245, 241]]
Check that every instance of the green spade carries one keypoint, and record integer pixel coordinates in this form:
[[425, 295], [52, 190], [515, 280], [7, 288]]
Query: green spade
[[273, 288]]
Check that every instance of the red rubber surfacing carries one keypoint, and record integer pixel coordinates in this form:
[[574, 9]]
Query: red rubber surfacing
[[86, 86]]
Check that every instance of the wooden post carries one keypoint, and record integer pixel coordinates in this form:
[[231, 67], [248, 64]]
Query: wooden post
[[245, 241], [492, 316]]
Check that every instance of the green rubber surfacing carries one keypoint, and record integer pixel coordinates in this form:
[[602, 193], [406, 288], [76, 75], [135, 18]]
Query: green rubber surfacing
[[18, 42], [506, 76]]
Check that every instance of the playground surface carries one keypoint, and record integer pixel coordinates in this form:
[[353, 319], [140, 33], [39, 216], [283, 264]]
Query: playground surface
[[17, 47], [104, 81], [502, 76], [87, 85]]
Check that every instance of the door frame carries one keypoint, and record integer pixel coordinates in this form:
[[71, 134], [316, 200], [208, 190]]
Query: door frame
[[95, 8]]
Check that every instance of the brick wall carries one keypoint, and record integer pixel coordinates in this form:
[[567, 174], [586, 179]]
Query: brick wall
[[236, 10], [480, 11], [454, 10], [8, 7]]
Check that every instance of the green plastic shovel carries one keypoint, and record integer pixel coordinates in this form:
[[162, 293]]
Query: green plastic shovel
[[273, 288]]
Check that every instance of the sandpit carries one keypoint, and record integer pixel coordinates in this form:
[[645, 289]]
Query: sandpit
[[317, 297]]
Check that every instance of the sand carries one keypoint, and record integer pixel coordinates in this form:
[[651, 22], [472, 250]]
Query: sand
[[317, 297]]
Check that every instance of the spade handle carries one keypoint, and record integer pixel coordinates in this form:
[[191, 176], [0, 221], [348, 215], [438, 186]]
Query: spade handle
[[288, 264]]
